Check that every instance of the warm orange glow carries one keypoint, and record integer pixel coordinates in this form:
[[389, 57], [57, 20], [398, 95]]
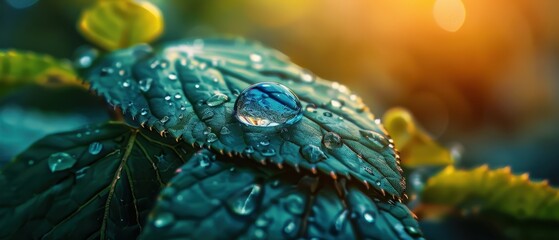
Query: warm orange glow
[[449, 14]]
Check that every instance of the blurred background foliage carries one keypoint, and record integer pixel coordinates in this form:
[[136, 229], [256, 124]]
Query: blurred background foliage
[[479, 77]]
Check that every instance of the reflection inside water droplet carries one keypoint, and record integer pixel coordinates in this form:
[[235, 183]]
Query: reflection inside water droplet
[[268, 104]]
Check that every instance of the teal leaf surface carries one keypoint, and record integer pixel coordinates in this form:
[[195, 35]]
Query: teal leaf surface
[[97, 182], [233, 199], [187, 90]]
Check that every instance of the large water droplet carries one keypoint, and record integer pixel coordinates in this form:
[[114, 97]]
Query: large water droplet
[[312, 153], [145, 84], [95, 148], [60, 161], [163, 219], [268, 104], [332, 140], [217, 99], [247, 201]]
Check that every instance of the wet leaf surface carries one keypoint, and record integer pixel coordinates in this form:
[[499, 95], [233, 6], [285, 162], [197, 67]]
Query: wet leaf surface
[[213, 198], [97, 182], [188, 90]]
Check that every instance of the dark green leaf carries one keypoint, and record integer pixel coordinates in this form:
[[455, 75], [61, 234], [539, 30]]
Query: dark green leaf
[[211, 199], [100, 181], [168, 90]]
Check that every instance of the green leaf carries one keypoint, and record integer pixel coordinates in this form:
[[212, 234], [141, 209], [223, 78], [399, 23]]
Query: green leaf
[[496, 191], [234, 199], [20, 68], [119, 24], [167, 90], [97, 182]]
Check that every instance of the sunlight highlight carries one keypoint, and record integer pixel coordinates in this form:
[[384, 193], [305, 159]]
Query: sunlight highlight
[[449, 14]]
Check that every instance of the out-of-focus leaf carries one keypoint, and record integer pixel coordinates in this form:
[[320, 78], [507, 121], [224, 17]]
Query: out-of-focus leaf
[[169, 90], [212, 199], [20, 68], [33, 112], [417, 148], [97, 182], [119, 24], [497, 191]]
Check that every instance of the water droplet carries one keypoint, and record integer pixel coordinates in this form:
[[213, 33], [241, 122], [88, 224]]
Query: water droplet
[[369, 217], [85, 56], [378, 141], [264, 142], [211, 137], [145, 84], [167, 97], [247, 201], [60, 161], [178, 96], [307, 76], [217, 99], [327, 114], [249, 150], [95, 148], [332, 140], [254, 57], [340, 221], [336, 103], [163, 219], [311, 108], [268, 152], [313, 153], [262, 222], [106, 71], [224, 131], [164, 119], [295, 204], [197, 86], [144, 111], [414, 232], [268, 104], [259, 234], [172, 77], [81, 173], [205, 161], [289, 228]]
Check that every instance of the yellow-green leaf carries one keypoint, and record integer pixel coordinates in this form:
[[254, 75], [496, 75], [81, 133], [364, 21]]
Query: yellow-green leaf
[[118, 24], [497, 191], [417, 148], [18, 68]]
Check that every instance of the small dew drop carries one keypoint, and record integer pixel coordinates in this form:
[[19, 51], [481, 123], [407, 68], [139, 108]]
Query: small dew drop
[[313, 153], [144, 111], [332, 140], [95, 148], [145, 84], [254, 57], [163, 220], [211, 137], [289, 228], [167, 97], [172, 77], [217, 99], [307, 76]]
